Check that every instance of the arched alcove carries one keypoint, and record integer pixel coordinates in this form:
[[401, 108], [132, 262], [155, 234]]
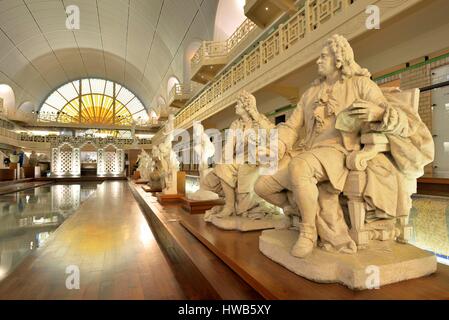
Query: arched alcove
[[9, 99], [172, 81], [27, 107], [230, 15], [189, 52]]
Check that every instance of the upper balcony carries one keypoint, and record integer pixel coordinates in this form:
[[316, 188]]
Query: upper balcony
[[291, 46], [62, 120], [212, 56], [181, 93], [264, 12]]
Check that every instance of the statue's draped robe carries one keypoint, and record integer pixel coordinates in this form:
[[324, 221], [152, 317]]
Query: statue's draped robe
[[410, 142], [241, 177]]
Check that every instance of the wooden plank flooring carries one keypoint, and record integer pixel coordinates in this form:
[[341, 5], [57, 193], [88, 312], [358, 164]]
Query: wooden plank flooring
[[110, 241], [200, 272]]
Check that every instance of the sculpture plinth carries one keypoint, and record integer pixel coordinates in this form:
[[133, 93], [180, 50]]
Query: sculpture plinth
[[148, 188], [199, 206], [392, 261], [245, 224]]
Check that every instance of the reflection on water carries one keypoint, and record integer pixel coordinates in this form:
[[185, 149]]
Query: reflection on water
[[27, 219], [430, 219]]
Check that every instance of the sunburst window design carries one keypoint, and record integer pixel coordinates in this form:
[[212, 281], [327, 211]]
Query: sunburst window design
[[93, 101]]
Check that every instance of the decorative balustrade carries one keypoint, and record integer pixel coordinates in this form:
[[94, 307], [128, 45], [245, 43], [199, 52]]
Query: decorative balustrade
[[216, 49], [306, 20], [56, 140], [180, 93], [63, 118]]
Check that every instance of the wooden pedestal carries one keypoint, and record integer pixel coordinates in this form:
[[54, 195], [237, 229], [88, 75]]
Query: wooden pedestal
[[195, 206], [169, 198], [147, 188]]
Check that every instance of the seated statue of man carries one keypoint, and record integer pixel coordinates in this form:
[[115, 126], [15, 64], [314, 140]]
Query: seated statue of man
[[235, 181], [314, 167]]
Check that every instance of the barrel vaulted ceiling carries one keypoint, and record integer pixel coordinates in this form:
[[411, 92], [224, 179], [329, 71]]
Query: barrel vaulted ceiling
[[137, 43]]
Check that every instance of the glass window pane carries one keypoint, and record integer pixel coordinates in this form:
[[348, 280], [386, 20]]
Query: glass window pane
[[125, 96], [109, 91], [134, 106], [97, 103], [85, 86], [56, 100], [68, 91], [97, 85]]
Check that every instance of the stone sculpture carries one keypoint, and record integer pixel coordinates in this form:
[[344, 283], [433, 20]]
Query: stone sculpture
[[145, 165], [169, 160], [155, 183], [204, 149], [342, 111], [235, 182]]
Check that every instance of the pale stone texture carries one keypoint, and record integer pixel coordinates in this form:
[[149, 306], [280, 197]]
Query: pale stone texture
[[396, 262], [245, 224], [204, 149], [234, 180]]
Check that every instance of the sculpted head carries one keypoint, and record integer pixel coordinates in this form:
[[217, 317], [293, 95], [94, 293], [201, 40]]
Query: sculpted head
[[337, 54]]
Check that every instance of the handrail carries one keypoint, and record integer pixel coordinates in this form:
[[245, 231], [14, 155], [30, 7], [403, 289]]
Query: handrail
[[305, 20], [182, 90], [79, 140], [214, 49]]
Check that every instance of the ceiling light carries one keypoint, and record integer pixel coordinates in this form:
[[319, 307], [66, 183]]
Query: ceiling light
[[266, 8]]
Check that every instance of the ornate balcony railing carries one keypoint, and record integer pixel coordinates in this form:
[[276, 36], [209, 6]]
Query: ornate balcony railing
[[54, 140], [305, 21], [217, 49], [60, 118], [180, 93]]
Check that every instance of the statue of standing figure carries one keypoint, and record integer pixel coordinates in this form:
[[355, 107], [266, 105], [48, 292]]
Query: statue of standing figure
[[145, 165], [204, 149], [169, 160]]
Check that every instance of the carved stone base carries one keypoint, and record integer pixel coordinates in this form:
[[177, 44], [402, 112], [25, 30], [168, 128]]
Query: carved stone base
[[169, 198], [199, 206], [141, 181], [246, 224], [147, 188], [395, 262]]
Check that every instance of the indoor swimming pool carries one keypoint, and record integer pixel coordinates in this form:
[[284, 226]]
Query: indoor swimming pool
[[28, 218], [430, 220]]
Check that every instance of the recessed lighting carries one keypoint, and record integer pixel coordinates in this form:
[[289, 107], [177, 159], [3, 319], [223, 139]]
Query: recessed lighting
[[266, 8]]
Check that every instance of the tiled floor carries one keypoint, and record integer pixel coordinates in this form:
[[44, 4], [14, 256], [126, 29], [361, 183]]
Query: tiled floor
[[110, 242]]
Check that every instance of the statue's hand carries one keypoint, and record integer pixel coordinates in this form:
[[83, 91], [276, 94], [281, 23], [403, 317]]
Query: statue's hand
[[366, 111], [254, 113], [281, 149]]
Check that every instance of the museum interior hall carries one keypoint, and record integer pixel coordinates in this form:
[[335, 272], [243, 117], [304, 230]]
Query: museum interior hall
[[224, 149]]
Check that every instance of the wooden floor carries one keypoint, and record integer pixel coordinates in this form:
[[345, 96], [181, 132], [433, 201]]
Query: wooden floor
[[110, 241], [202, 274]]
